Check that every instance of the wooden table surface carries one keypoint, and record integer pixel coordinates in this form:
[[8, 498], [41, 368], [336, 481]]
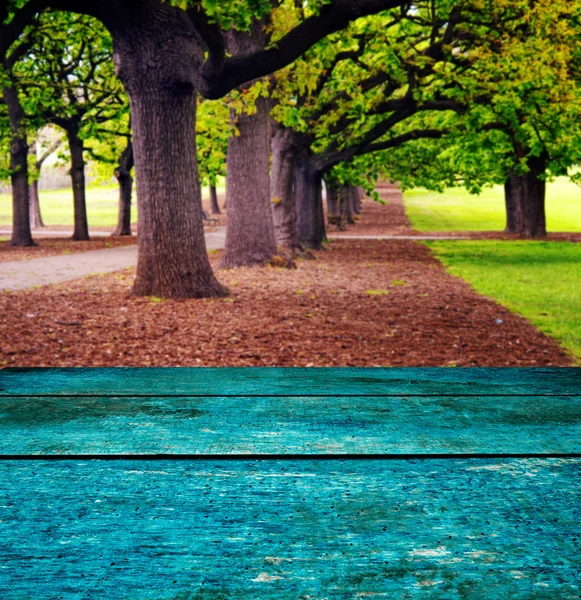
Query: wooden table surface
[[290, 483]]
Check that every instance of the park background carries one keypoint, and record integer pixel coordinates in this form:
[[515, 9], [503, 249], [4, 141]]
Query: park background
[[466, 110]]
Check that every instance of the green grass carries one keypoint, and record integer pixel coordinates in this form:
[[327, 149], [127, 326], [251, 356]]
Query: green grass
[[57, 207], [539, 280], [457, 210]]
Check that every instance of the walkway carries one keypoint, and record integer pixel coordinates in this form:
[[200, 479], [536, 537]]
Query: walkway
[[23, 274]]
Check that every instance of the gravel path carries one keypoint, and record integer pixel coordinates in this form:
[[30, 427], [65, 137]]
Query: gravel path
[[20, 275]]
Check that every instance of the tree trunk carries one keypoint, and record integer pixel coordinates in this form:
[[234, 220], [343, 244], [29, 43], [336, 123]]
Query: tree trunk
[[214, 206], [250, 231], [125, 180], [309, 200], [284, 206], [173, 260], [158, 57], [77, 149], [35, 214], [346, 199], [513, 198], [358, 195], [525, 201], [334, 217], [21, 233]]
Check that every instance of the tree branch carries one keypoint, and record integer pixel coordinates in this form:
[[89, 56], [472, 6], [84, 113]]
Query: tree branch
[[218, 80]]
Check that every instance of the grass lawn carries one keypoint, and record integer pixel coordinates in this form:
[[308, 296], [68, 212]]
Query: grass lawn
[[57, 206], [457, 210], [539, 280]]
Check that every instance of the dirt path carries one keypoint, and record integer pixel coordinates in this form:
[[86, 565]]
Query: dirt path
[[24, 274], [361, 303]]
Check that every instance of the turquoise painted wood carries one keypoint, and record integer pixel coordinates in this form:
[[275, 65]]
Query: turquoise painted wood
[[290, 425], [455, 528], [293, 381]]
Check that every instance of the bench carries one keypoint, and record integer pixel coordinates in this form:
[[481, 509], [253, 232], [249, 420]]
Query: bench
[[290, 483], [210, 220]]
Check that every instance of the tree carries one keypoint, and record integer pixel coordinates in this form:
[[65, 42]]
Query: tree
[[68, 77], [213, 132], [18, 126], [364, 94], [517, 104], [40, 152], [190, 58]]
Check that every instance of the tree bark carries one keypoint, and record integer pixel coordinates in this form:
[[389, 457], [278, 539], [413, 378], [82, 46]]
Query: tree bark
[[125, 180], [158, 57], [21, 233], [282, 193], [346, 199], [334, 216], [77, 150], [35, 213], [309, 198], [525, 201], [214, 206], [173, 260], [358, 195], [250, 236]]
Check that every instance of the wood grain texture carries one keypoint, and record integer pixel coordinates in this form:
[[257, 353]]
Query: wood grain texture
[[291, 381], [432, 529], [161, 529], [290, 425]]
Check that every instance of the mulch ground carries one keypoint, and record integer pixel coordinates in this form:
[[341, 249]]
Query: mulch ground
[[361, 303]]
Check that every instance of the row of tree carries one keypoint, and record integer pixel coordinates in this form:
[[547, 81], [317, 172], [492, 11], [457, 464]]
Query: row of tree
[[432, 93]]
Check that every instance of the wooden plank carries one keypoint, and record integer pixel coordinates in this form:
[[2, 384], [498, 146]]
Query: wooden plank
[[339, 529], [290, 425], [293, 381]]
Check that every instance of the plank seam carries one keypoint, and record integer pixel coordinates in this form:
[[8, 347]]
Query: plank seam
[[283, 457]]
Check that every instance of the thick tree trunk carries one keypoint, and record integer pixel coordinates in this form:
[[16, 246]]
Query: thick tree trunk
[[309, 198], [250, 232], [173, 260], [35, 214], [282, 193], [158, 56], [525, 201], [214, 206], [77, 149], [125, 180], [346, 199], [21, 233]]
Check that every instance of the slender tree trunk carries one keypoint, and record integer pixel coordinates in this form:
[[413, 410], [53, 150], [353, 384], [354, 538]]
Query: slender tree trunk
[[77, 149], [346, 199], [214, 206], [21, 233], [525, 201], [250, 231], [309, 200], [35, 214], [282, 193], [334, 207], [125, 180], [358, 193]]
